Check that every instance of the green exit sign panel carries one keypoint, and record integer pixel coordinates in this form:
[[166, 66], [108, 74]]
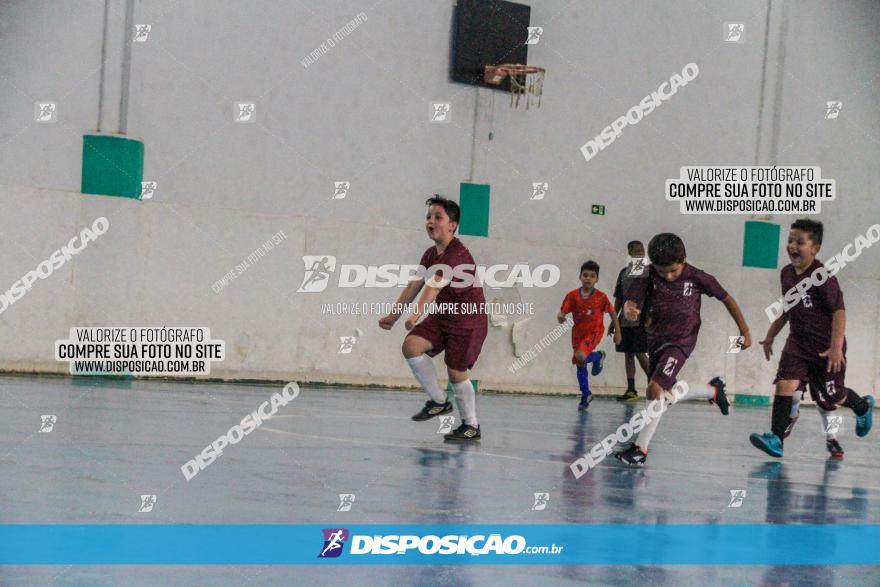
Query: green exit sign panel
[[599, 209]]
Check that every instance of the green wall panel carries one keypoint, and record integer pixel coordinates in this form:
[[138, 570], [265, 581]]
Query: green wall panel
[[761, 244], [473, 198], [112, 166]]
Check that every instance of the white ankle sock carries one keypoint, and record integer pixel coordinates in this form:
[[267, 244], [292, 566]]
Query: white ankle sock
[[825, 421], [650, 428], [423, 368], [466, 399], [701, 391]]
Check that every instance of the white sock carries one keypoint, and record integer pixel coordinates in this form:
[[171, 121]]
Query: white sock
[[423, 368], [702, 391], [650, 428], [825, 417], [466, 399]]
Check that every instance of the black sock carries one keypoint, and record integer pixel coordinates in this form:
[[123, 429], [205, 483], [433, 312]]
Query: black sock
[[630, 384], [781, 415], [855, 403]]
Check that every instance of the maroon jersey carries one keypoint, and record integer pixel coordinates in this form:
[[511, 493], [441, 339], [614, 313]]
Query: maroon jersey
[[810, 319], [675, 306], [457, 254]]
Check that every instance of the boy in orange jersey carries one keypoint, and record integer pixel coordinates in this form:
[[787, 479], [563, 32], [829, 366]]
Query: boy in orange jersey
[[587, 306]]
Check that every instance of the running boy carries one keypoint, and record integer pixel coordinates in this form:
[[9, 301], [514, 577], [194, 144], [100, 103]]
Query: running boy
[[634, 335], [815, 352], [675, 288], [459, 334], [587, 306]]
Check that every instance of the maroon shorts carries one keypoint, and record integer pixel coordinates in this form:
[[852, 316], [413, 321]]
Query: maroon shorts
[[461, 344], [586, 344], [664, 363], [826, 389]]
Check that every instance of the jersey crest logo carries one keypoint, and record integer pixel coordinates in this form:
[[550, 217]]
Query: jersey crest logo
[[688, 288]]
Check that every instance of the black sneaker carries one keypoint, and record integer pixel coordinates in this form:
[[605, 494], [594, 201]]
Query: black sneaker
[[634, 455], [628, 396], [432, 409], [834, 448], [720, 398], [584, 404], [463, 433], [598, 365]]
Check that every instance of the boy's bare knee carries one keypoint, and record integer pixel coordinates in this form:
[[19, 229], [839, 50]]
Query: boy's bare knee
[[412, 347], [456, 376], [654, 391], [787, 386]]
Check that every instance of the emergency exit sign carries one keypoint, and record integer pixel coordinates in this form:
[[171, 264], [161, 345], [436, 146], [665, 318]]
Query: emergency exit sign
[[599, 209]]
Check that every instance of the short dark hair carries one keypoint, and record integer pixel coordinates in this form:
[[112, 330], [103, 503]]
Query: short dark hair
[[590, 266], [631, 244], [666, 249], [452, 209], [812, 227]]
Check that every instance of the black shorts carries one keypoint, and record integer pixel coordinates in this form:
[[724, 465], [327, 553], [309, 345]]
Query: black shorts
[[634, 339], [826, 389]]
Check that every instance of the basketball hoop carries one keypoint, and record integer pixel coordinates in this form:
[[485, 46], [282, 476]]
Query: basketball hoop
[[524, 80]]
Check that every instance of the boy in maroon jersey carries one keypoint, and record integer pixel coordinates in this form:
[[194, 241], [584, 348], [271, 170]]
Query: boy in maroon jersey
[[460, 334], [675, 288], [815, 352]]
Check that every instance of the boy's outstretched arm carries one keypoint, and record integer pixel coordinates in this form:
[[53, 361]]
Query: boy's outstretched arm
[[631, 310], [564, 309], [408, 294], [737, 315], [428, 296], [774, 329], [835, 351]]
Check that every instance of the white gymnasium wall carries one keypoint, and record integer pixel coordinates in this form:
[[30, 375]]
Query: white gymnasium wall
[[360, 113]]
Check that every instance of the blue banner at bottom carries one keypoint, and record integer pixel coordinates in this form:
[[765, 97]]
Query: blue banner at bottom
[[562, 544]]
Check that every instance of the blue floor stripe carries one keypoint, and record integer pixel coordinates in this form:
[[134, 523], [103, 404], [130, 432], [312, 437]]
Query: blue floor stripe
[[711, 544]]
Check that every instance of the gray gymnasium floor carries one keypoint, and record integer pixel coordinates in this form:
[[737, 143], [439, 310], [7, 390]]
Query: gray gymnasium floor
[[116, 440]]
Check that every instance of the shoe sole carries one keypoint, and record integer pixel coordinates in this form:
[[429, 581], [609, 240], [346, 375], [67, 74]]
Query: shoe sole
[[628, 464], [756, 442], [416, 419], [458, 439]]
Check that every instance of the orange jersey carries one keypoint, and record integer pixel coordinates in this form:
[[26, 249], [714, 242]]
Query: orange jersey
[[588, 313]]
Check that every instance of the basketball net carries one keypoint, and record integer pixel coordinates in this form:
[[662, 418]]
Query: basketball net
[[525, 80]]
